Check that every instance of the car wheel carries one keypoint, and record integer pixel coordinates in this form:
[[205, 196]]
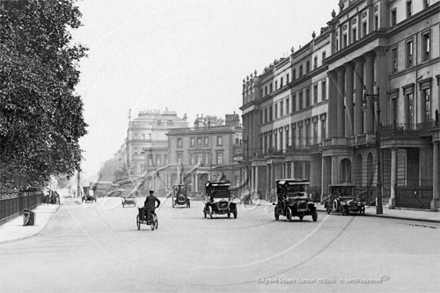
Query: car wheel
[[336, 205], [315, 215], [289, 214], [210, 212], [156, 221], [138, 222], [276, 214], [235, 214], [301, 218], [204, 214]]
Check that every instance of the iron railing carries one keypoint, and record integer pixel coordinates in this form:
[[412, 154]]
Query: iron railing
[[13, 204], [407, 129]]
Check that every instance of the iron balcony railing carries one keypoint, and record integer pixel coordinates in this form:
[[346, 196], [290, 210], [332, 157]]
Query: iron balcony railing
[[408, 129]]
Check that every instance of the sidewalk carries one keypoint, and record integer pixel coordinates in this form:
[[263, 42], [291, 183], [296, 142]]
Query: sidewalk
[[424, 216], [14, 230]]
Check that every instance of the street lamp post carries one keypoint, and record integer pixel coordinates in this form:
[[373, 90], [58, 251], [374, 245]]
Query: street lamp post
[[375, 97]]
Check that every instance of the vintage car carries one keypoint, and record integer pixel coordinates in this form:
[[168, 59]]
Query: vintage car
[[219, 199], [293, 200], [88, 195], [342, 199], [180, 196], [128, 201]]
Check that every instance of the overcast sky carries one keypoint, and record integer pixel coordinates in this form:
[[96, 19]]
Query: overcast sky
[[188, 56]]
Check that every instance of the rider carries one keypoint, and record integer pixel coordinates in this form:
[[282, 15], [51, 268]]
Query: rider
[[150, 204]]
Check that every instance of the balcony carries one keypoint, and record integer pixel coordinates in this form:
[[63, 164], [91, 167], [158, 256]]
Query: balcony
[[408, 129]]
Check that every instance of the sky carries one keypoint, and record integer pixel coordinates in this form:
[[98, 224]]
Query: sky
[[182, 55]]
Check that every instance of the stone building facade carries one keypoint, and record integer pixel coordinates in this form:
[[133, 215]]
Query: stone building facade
[[315, 114]]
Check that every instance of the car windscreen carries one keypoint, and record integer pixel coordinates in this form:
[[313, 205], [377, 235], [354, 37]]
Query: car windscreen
[[220, 193]]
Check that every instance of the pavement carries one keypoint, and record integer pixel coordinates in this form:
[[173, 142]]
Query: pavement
[[14, 230]]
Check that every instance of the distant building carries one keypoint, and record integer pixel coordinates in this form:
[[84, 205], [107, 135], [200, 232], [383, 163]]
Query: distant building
[[146, 147], [206, 151]]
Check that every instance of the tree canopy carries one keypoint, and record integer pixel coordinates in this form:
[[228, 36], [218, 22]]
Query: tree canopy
[[41, 118]]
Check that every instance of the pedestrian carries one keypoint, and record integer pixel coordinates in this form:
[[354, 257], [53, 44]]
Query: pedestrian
[[150, 204]]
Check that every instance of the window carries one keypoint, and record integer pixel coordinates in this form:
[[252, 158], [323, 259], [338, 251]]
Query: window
[[276, 111], [281, 82], [293, 103], [207, 156], [276, 85], [281, 109], [265, 115], [323, 130], [143, 135], [287, 106], [394, 56], [307, 66], [426, 97], [409, 54], [345, 41], [275, 140], [307, 142], [150, 160], [393, 17], [394, 110], [337, 45], [206, 141], [142, 151], [219, 158], [300, 101], [293, 137], [135, 135], [354, 35], [262, 117], [158, 162], [135, 150], [165, 159], [270, 113], [315, 62], [179, 158], [270, 87], [179, 142], [293, 74], [192, 159], [426, 43], [323, 56], [364, 28], [300, 136], [287, 79], [287, 137], [199, 158], [199, 141], [324, 90], [265, 90], [408, 8], [409, 108], [307, 97], [300, 70], [281, 141], [219, 140], [315, 94], [192, 142], [315, 132]]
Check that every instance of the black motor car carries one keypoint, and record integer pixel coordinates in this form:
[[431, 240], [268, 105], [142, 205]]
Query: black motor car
[[293, 200], [180, 196], [219, 200], [342, 199]]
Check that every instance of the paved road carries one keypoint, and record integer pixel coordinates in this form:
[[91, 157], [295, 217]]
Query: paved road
[[97, 248]]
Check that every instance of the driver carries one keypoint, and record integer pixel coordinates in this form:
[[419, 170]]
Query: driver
[[150, 204]]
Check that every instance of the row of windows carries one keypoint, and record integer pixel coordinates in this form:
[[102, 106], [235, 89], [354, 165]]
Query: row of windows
[[292, 103], [206, 140], [305, 134], [159, 160], [409, 52], [269, 88], [203, 158]]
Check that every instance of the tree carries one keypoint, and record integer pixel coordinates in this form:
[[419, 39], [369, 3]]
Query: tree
[[41, 118], [108, 170]]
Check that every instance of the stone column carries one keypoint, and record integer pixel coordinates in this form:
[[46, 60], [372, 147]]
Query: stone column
[[332, 107], [256, 178], [196, 181], [369, 76], [392, 201], [335, 170], [382, 81], [359, 114], [349, 99], [340, 121], [435, 202]]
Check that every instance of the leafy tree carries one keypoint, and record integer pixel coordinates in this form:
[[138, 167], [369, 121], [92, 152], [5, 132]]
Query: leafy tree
[[41, 118], [108, 170]]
